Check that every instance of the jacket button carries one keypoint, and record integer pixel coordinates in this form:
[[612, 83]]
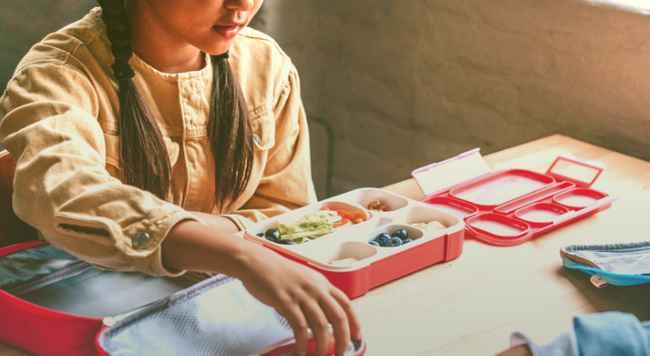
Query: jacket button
[[140, 239], [256, 139]]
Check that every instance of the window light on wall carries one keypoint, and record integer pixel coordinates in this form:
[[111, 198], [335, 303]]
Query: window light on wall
[[638, 5]]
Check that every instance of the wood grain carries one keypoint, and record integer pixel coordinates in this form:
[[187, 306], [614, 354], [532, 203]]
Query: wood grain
[[470, 305]]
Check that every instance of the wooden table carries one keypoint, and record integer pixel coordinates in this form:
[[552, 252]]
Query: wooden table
[[469, 306]]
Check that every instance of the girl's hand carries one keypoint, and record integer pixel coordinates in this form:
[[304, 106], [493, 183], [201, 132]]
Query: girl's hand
[[302, 296]]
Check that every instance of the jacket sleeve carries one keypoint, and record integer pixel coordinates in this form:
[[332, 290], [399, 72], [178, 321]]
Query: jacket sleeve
[[61, 186], [286, 182]]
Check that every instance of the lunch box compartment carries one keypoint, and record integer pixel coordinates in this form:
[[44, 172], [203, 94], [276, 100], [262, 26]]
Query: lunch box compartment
[[413, 233], [391, 201], [352, 249], [541, 213], [536, 196], [579, 198], [425, 215], [502, 187], [498, 225]]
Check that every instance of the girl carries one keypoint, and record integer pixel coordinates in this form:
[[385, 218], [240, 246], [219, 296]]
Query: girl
[[150, 131]]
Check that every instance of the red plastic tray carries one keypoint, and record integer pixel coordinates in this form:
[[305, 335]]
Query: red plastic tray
[[376, 265], [511, 207]]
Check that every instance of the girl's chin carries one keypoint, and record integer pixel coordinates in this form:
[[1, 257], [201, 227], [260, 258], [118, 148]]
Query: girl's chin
[[217, 49]]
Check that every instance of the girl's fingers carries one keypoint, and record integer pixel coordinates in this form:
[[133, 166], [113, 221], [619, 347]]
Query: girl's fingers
[[339, 320], [353, 320], [318, 324], [298, 323]]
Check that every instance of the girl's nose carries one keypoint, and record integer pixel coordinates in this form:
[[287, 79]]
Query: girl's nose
[[239, 5]]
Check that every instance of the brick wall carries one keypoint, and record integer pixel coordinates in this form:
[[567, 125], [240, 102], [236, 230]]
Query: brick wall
[[407, 83]]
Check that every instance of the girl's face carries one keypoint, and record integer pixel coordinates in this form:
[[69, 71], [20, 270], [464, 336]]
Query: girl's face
[[209, 25]]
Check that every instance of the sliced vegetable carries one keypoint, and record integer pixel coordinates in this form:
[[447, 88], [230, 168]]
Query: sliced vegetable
[[311, 226], [342, 222], [348, 214]]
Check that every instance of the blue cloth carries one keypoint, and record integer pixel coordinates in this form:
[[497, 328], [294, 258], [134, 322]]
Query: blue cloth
[[605, 334], [563, 345], [612, 333]]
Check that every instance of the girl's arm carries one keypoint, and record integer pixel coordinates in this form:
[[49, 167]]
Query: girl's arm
[[303, 296], [51, 124]]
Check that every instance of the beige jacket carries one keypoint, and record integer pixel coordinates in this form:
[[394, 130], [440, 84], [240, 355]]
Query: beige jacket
[[60, 121]]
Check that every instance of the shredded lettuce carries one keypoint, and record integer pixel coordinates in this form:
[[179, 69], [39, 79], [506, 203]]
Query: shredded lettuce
[[311, 226]]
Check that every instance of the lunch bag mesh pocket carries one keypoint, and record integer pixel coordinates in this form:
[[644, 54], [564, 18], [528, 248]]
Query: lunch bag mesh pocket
[[201, 320], [627, 264]]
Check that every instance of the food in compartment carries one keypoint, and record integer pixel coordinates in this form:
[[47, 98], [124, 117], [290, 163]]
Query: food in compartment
[[272, 235], [382, 239], [344, 262], [397, 238], [377, 205], [312, 226], [431, 225], [347, 217]]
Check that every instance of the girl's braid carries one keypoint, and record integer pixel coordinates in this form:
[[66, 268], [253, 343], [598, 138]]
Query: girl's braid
[[141, 140], [119, 33]]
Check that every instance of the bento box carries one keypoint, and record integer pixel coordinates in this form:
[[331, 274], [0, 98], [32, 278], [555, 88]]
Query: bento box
[[386, 237], [512, 206]]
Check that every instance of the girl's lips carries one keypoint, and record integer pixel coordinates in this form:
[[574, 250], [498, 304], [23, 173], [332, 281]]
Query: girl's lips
[[229, 31]]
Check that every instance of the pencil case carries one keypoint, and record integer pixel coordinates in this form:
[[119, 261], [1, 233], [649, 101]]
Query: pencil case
[[52, 303], [624, 264]]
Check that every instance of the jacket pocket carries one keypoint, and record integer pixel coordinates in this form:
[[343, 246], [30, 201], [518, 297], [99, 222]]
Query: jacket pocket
[[263, 126]]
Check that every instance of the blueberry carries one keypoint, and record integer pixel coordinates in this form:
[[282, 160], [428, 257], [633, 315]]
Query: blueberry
[[260, 234], [272, 235], [394, 242], [382, 239], [374, 243], [287, 242], [401, 233], [407, 241]]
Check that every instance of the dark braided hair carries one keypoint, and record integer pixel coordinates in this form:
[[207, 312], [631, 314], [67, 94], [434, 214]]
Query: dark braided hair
[[229, 128]]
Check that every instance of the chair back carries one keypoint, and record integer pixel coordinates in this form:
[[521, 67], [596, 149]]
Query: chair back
[[12, 229]]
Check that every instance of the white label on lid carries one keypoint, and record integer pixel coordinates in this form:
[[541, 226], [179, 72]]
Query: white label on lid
[[440, 176]]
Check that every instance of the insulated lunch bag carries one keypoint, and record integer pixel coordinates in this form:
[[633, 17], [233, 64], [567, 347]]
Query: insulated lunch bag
[[52, 303]]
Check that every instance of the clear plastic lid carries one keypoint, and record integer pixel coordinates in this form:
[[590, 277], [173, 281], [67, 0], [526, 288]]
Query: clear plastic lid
[[438, 177], [583, 173]]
